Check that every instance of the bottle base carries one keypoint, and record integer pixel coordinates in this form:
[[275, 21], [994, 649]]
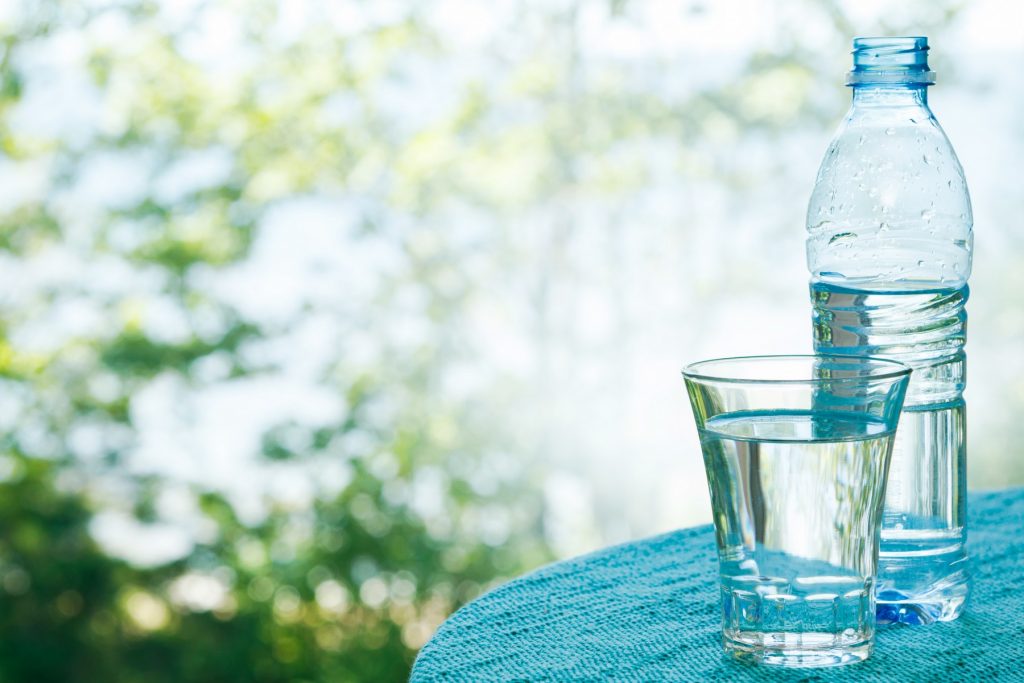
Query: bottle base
[[922, 576], [943, 603]]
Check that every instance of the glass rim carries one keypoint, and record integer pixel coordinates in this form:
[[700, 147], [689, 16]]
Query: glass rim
[[693, 371]]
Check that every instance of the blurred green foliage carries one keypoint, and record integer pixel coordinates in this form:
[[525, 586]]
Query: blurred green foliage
[[343, 587]]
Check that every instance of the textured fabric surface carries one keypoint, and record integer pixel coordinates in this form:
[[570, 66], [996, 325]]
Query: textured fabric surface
[[649, 611]]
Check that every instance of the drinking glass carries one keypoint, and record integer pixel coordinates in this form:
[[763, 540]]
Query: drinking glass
[[796, 450]]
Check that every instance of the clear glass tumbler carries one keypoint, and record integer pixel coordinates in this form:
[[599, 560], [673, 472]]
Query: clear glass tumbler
[[797, 450]]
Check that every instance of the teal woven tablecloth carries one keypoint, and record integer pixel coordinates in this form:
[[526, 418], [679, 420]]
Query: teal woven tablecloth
[[648, 611]]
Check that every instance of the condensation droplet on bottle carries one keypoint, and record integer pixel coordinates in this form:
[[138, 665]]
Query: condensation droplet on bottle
[[924, 158], [928, 214], [920, 264], [890, 131]]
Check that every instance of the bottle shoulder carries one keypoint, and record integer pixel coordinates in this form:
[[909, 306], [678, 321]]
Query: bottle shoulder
[[892, 170], [891, 201]]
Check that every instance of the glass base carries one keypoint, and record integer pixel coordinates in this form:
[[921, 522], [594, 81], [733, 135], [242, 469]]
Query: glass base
[[797, 650]]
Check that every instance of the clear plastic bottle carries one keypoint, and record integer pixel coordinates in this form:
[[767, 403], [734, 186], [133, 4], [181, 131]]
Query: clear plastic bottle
[[889, 250]]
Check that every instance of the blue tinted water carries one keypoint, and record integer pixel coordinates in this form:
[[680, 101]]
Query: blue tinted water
[[922, 560]]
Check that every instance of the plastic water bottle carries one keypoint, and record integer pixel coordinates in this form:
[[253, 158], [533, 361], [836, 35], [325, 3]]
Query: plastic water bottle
[[889, 249]]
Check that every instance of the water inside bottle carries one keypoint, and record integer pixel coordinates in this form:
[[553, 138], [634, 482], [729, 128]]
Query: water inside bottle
[[922, 560]]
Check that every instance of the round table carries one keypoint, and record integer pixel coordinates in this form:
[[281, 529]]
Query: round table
[[649, 611]]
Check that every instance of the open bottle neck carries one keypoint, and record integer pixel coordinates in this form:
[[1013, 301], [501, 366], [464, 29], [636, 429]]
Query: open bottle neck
[[890, 72]]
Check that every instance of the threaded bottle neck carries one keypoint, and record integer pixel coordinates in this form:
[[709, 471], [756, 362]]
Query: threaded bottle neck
[[890, 62]]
